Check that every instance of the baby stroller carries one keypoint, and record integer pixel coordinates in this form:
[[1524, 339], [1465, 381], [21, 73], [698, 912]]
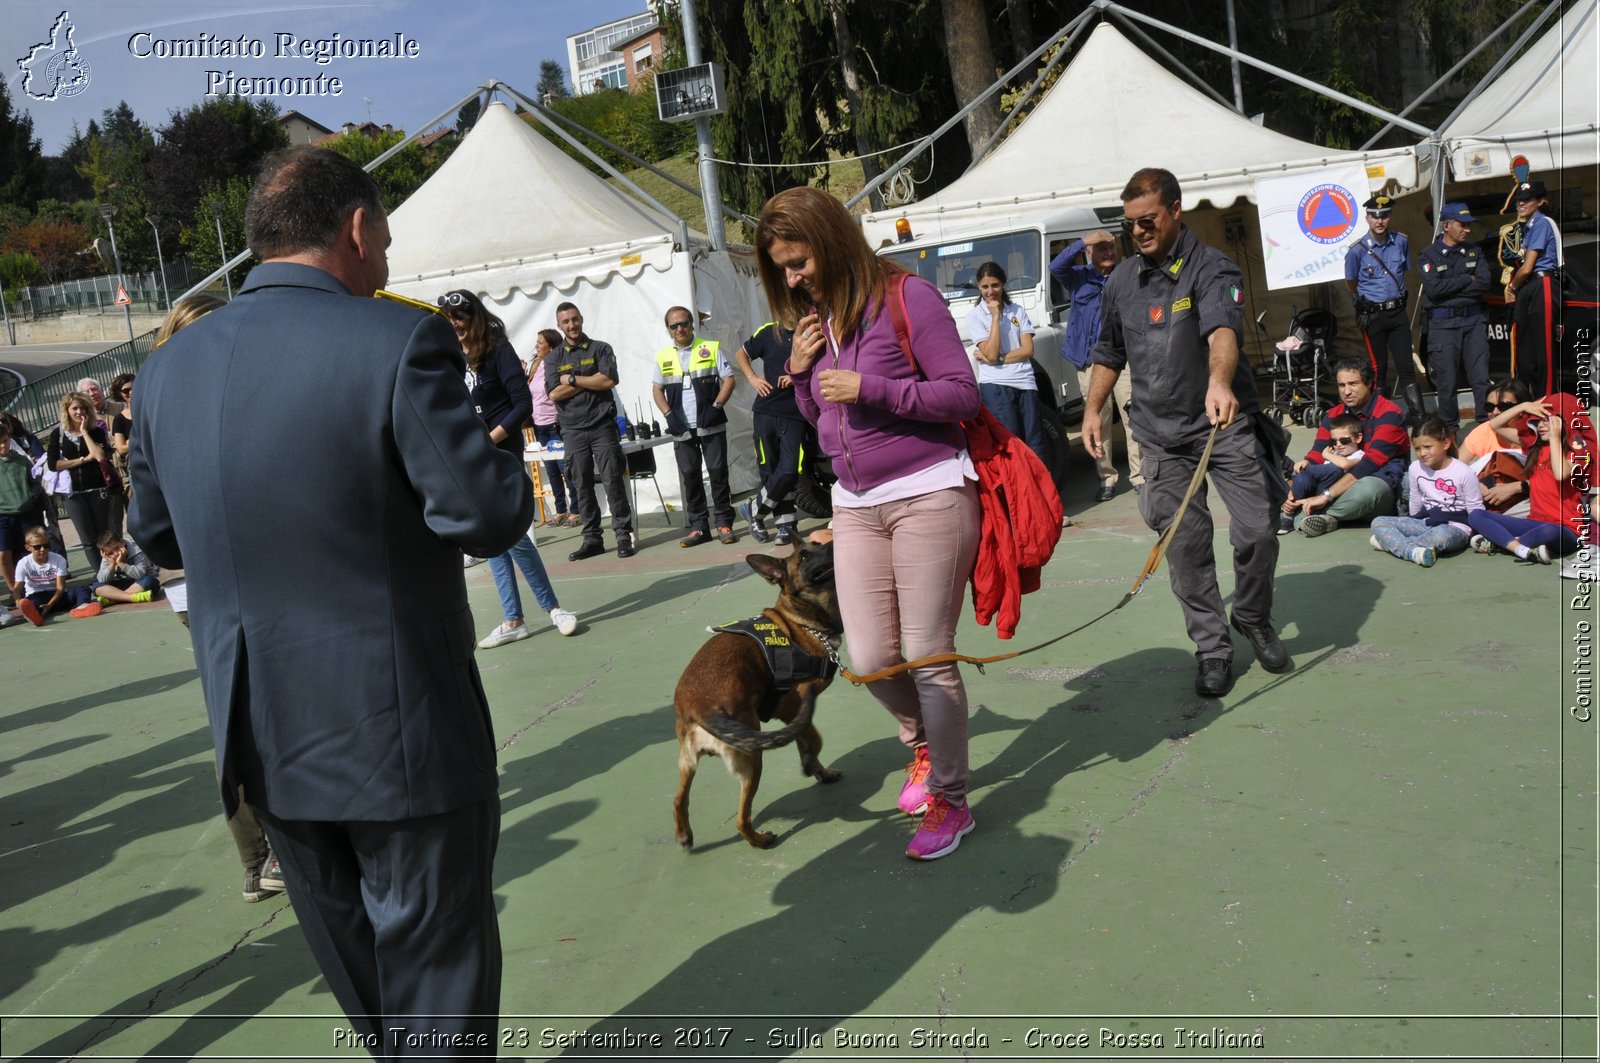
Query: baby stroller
[[1300, 364]]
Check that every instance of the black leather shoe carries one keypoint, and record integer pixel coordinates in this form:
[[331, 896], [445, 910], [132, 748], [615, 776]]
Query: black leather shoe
[[1105, 494], [1215, 677], [588, 549], [1264, 640], [624, 547]]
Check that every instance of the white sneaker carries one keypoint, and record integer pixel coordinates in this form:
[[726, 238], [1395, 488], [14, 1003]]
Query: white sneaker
[[467, 560], [503, 634], [565, 622]]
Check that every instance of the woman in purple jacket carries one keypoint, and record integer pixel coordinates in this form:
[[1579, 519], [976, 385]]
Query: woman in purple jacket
[[905, 516]]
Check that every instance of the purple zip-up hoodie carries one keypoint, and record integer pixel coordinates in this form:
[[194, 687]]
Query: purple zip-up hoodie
[[903, 421]]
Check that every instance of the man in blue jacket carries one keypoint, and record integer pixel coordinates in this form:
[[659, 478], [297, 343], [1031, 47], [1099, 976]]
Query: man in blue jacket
[[1084, 287], [1455, 277], [335, 427]]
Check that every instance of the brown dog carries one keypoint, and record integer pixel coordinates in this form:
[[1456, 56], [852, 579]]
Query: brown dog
[[772, 666]]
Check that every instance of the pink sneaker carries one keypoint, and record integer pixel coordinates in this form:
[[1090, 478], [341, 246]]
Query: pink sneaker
[[914, 794], [942, 829]]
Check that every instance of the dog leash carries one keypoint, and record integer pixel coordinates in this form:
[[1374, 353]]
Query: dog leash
[[1153, 562]]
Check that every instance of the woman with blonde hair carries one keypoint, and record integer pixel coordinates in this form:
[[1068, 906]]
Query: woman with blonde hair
[[79, 447], [906, 503], [185, 312]]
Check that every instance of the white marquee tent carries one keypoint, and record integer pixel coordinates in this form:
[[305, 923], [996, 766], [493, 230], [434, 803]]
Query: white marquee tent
[[1113, 111], [1546, 106], [515, 219]]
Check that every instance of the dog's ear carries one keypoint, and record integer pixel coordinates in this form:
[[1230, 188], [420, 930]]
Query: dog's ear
[[771, 569]]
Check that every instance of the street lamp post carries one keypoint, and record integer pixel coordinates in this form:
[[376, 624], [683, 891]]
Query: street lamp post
[[108, 211], [166, 295], [216, 211]]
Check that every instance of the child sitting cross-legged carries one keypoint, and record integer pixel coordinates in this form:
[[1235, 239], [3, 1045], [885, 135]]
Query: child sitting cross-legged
[[126, 575], [1343, 454], [1444, 492], [41, 576]]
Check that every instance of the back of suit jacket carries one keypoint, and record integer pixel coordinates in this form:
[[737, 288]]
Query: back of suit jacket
[[311, 460]]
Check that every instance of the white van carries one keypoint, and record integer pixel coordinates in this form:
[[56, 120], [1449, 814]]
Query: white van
[[951, 262]]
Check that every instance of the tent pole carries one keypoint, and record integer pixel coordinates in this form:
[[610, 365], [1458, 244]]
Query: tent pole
[[1233, 42], [557, 116], [646, 197], [1055, 60], [1505, 61], [1179, 68], [1293, 79], [1448, 74], [922, 145]]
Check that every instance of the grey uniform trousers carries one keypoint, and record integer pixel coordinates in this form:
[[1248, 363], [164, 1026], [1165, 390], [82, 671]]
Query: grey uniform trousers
[[1252, 494]]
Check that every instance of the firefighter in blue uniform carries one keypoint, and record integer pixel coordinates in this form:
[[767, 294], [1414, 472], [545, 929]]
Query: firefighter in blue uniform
[[1375, 273], [1455, 277]]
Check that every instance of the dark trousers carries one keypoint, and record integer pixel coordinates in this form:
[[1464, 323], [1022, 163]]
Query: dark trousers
[[400, 916], [1457, 348], [90, 513], [554, 471], [1388, 332], [1253, 494], [1018, 410], [713, 449], [1537, 313], [780, 443], [589, 450]]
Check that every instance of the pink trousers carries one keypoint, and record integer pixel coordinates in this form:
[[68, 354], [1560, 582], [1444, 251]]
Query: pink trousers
[[902, 570]]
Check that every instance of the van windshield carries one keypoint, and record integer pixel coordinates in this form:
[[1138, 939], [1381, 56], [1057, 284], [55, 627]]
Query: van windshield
[[953, 267]]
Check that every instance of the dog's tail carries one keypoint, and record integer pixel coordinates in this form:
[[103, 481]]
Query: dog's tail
[[749, 740]]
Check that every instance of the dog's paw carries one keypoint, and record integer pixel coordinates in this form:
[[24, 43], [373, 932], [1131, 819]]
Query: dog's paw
[[686, 842], [760, 838], [827, 775]]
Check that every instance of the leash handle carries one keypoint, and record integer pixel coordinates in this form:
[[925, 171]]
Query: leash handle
[[1153, 562]]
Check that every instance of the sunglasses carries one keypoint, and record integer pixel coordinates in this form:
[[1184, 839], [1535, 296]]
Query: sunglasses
[[676, 325], [455, 299], [1344, 441], [1144, 224], [38, 546], [1498, 407]]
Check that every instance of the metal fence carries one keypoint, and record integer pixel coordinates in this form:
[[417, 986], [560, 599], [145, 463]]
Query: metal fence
[[99, 294], [38, 404]]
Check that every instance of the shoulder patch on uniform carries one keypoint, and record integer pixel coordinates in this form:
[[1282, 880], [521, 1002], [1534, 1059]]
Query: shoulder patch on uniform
[[1427, 267], [1235, 293]]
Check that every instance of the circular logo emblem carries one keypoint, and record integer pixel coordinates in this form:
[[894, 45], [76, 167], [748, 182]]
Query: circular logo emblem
[[67, 74], [1327, 214]]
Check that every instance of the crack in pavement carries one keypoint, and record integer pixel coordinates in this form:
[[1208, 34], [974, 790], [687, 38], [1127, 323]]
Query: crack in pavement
[[1138, 802], [199, 973]]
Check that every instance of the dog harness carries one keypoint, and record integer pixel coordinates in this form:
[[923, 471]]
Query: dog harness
[[788, 663]]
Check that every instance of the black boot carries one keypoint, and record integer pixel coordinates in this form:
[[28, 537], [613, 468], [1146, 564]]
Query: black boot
[[1415, 411]]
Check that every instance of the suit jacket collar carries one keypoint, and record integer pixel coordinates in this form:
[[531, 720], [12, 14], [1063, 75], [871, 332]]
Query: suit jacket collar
[[293, 275]]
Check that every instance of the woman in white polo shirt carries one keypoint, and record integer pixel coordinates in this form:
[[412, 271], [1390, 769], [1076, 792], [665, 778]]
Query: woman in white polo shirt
[[1002, 341]]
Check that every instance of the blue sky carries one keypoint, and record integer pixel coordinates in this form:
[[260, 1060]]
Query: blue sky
[[461, 44]]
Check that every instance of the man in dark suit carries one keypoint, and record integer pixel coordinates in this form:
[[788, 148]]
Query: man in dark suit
[[309, 457]]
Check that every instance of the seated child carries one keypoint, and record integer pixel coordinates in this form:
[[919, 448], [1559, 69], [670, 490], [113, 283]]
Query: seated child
[[1341, 456], [126, 575], [42, 577], [1444, 490]]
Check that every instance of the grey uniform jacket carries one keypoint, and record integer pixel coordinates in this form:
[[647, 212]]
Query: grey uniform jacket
[[312, 462]]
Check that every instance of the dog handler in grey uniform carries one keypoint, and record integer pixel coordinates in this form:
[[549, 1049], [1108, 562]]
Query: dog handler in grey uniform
[[1173, 315]]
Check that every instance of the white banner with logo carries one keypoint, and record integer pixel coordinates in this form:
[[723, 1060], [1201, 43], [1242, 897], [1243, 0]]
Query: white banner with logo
[[1307, 221]]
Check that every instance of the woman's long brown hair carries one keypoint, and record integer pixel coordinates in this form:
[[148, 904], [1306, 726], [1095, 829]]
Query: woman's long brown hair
[[851, 277]]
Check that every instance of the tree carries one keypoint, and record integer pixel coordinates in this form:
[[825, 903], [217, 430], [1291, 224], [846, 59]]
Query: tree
[[401, 174], [55, 245], [971, 58], [203, 148], [199, 237], [467, 117], [552, 82], [21, 161]]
